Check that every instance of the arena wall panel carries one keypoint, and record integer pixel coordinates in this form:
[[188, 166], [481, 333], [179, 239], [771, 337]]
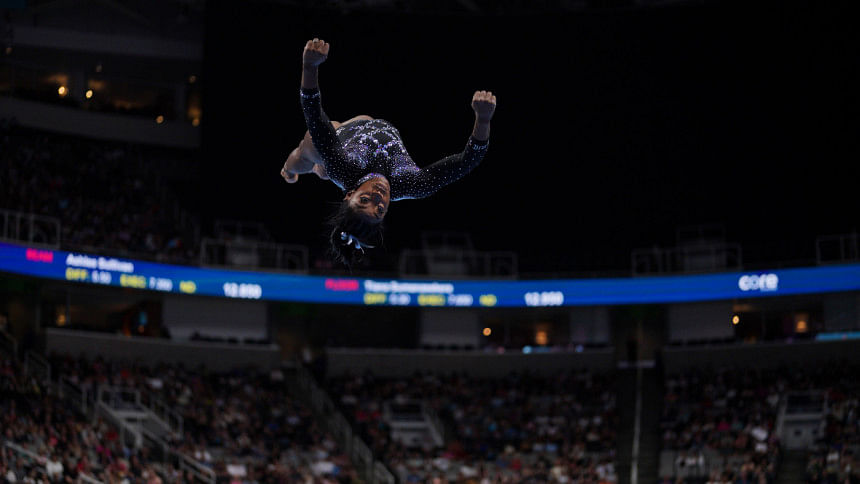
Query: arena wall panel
[[224, 318], [842, 312], [700, 321], [400, 363], [760, 355], [150, 351], [589, 325], [449, 327]]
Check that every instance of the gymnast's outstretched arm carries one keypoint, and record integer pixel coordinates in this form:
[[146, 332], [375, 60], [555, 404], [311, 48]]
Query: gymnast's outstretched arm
[[430, 179], [322, 132]]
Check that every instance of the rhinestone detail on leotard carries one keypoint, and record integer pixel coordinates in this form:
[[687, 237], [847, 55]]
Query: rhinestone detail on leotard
[[360, 150]]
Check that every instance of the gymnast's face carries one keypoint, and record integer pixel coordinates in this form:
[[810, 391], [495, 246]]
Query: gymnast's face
[[371, 199]]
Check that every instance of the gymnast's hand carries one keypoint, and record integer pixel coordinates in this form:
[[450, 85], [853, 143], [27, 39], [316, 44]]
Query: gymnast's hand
[[484, 104], [315, 53]]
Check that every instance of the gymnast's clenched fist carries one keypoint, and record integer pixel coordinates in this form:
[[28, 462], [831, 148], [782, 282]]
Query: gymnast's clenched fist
[[484, 105], [315, 53]]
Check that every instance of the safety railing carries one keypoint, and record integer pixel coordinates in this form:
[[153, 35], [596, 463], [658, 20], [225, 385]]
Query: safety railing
[[161, 450], [31, 228], [362, 458], [683, 466], [381, 475], [37, 366], [129, 436], [119, 398], [340, 429], [199, 471], [687, 259], [837, 249], [435, 421], [163, 411], [250, 254], [75, 394], [458, 263], [88, 479], [231, 229], [8, 344], [36, 458], [27, 454], [24, 452], [370, 469]]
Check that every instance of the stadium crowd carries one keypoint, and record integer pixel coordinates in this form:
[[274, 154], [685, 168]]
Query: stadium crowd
[[44, 439], [721, 423], [106, 195], [243, 425], [522, 428], [833, 458]]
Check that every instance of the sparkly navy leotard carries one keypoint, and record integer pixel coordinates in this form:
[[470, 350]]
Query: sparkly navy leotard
[[361, 150]]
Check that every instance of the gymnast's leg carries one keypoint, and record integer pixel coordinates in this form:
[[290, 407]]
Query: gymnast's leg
[[305, 159], [360, 117]]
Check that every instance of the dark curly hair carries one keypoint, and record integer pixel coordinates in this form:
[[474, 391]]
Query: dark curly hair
[[345, 222]]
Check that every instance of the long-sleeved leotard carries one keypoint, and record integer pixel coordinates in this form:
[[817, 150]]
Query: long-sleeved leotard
[[361, 150]]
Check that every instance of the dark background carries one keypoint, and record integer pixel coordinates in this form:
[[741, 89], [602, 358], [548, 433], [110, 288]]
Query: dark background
[[614, 127]]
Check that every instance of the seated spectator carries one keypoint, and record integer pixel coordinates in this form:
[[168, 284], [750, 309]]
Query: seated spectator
[[107, 195], [559, 429], [833, 457], [242, 424]]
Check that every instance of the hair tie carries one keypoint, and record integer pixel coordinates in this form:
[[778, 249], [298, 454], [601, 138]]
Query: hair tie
[[353, 240]]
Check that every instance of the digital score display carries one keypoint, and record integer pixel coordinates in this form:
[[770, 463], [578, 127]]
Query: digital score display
[[134, 274]]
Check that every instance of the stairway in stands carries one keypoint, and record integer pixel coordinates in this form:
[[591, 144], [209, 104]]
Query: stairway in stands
[[626, 403], [649, 436], [792, 469], [649, 439]]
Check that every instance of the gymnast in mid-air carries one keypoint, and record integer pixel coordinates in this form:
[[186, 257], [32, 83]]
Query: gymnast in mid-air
[[367, 159]]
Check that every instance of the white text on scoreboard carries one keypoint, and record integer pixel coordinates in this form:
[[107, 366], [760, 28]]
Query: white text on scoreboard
[[244, 291], [545, 298], [759, 282]]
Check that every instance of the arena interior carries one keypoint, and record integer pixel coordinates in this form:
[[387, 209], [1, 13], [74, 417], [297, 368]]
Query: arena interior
[[653, 277]]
